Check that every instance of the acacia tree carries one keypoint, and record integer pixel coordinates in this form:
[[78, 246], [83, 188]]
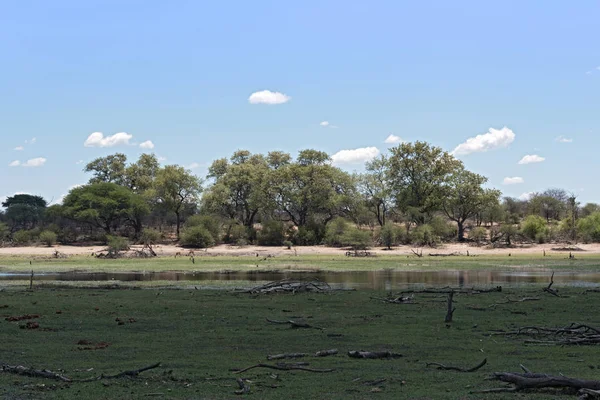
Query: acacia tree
[[374, 187], [175, 188], [416, 175], [24, 211], [464, 196], [105, 205], [108, 169]]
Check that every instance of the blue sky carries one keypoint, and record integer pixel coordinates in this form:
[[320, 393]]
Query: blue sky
[[180, 74]]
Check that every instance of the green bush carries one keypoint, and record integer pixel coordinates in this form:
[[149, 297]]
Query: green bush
[[210, 223], [335, 231], [271, 234], [589, 227], [508, 233], [357, 239], [288, 244], [4, 231], [116, 244], [387, 235], [48, 238], [442, 229], [534, 227], [22, 237], [310, 234], [236, 233], [478, 234], [197, 236], [150, 236], [424, 236]]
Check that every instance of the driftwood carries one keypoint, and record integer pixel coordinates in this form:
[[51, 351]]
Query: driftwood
[[574, 334], [459, 369], [293, 324], [286, 355], [509, 300], [538, 381], [47, 374], [451, 308], [285, 367], [325, 353], [448, 289], [290, 286], [417, 253], [455, 254], [373, 354], [396, 300], [244, 388], [588, 394], [549, 288]]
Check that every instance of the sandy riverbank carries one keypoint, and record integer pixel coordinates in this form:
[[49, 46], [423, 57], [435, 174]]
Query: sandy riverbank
[[226, 250]]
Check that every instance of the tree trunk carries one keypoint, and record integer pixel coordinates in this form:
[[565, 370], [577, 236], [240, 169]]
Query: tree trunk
[[461, 231], [178, 223]]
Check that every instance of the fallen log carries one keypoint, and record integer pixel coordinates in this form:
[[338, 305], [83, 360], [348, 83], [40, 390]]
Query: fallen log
[[285, 367], [325, 353], [448, 289], [286, 355], [549, 288], [396, 300], [588, 394], [290, 286], [459, 369], [373, 354], [523, 381], [293, 324], [244, 388], [455, 254]]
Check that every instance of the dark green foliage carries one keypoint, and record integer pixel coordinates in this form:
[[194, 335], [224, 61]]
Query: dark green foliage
[[589, 227], [116, 244], [22, 237], [387, 235], [210, 223], [150, 236], [357, 239], [271, 234], [197, 237], [534, 227], [48, 238], [335, 231]]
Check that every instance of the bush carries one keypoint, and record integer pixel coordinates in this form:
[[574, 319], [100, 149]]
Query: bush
[[309, 234], [423, 236], [288, 244], [48, 238], [236, 233], [508, 232], [335, 231], [210, 223], [197, 236], [387, 235], [22, 237], [478, 234], [150, 236], [442, 229], [589, 227], [534, 227], [116, 244], [357, 239], [4, 231], [271, 234]]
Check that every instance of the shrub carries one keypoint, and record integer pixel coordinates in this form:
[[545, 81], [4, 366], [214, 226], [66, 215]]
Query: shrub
[[271, 234], [236, 233], [48, 238], [357, 239], [423, 236], [441, 229], [387, 235], [150, 236], [589, 227], [21, 238], [116, 244], [534, 227], [288, 244], [478, 234], [310, 234], [508, 232], [335, 231], [210, 223], [197, 236], [4, 231]]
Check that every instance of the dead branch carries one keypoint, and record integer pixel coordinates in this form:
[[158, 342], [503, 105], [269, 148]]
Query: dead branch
[[244, 388], [588, 394], [455, 254], [293, 324], [549, 288], [539, 381], [509, 300], [396, 300], [373, 354], [325, 353], [286, 355], [132, 373], [448, 289], [290, 286], [451, 309], [459, 369], [574, 334], [417, 253], [284, 367]]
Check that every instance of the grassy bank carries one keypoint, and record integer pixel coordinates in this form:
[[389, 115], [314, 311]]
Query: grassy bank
[[200, 335], [305, 262]]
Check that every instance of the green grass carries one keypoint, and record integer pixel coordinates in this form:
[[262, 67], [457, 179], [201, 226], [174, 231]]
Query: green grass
[[304, 262], [200, 335]]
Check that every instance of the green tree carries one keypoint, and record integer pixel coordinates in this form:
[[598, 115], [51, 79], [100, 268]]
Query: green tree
[[104, 205], [387, 235], [109, 169], [464, 197], [589, 227], [534, 227], [176, 187], [417, 174], [375, 189], [24, 211], [140, 176]]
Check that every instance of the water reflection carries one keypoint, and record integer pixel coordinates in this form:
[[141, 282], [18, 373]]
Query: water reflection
[[381, 279]]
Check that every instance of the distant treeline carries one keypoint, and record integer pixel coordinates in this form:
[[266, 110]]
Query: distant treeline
[[416, 194]]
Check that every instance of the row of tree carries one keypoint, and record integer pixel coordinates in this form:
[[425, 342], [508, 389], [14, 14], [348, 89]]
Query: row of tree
[[418, 192]]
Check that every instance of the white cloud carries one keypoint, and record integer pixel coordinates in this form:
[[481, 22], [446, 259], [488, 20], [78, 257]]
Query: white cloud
[[268, 97], [393, 139], [355, 156], [324, 123], [494, 139], [526, 196], [31, 141], [194, 165], [531, 159], [562, 139], [79, 162], [97, 139], [147, 145], [161, 159], [33, 162], [513, 181], [19, 148]]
